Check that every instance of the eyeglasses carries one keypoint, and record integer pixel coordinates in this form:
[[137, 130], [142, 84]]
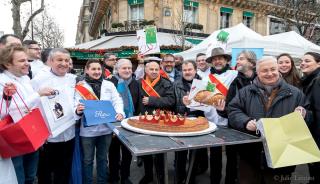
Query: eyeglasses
[[37, 49], [166, 61], [113, 59]]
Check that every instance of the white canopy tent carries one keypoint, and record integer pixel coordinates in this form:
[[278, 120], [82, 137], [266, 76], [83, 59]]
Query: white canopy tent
[[241, 36], [296, 45]]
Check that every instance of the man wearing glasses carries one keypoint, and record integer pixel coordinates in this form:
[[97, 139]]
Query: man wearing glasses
[[109, 61], [168, 70], [34, 55]]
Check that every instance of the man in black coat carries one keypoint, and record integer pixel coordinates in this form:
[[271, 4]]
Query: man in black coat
[[268, 97], [246, 62], [181, 89], [157, 93]]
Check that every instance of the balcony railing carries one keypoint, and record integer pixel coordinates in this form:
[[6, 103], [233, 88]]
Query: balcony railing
[[130, 25]]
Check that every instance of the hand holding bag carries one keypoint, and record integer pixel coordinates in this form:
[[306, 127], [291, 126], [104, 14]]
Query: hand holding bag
[[24, 136]]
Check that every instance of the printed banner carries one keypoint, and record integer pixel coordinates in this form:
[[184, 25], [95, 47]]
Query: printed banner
[[98, 112], [147, 41]]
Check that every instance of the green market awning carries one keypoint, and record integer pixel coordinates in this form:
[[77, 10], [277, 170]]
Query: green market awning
[[248, 14], [191, 3], [194, 41], [135, 2], [85, 55], [226, 10]]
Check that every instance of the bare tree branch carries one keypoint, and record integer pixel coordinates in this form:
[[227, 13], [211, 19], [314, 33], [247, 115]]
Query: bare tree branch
[[47, 32], [26, 27], [16, 17], [302, 14]]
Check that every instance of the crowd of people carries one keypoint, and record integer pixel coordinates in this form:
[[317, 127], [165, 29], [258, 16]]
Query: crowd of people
[[266, 88]]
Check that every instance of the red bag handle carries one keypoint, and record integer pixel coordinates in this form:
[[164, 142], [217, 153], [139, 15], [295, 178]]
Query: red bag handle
[[7, 105]]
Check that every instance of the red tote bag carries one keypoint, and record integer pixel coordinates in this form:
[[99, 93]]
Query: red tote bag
[[24, 136]]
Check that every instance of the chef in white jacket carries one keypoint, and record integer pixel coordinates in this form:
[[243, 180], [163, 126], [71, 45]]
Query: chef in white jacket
[[56, 156], [14, 83]]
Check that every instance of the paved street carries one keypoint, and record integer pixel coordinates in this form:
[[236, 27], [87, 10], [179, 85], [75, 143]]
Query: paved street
[[299, 177]]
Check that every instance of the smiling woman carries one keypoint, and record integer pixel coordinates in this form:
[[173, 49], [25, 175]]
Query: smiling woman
[[14, 59]]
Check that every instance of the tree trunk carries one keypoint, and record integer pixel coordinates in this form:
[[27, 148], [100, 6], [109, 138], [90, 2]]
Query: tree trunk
[[16, 17], [17, 29]]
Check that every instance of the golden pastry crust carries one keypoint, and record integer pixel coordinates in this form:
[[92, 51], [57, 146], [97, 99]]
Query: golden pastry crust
[[208, 97], [190, 125]]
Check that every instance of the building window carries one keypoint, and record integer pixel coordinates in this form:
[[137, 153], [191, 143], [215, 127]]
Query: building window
[[167, 12], [276, 26], [136, 10], [225, 17], [190, 11], [248, 19]]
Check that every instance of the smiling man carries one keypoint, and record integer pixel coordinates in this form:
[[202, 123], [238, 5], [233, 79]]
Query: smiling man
[[56, 155], [268, 97], [181, 90], [156, 93], [221, 75], [168, 66]]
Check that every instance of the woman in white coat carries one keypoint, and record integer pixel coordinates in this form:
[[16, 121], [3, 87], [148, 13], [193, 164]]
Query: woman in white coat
[[96, 138], [14, 82]]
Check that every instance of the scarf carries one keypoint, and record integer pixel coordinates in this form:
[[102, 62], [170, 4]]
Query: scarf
[[266, 89], [124, 91], [269, 91], [95, 84]]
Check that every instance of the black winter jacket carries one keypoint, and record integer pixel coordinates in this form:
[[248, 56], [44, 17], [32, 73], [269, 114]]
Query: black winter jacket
[[238, 83], [181, 88], [248, 105], [166, 101], [311, 88]]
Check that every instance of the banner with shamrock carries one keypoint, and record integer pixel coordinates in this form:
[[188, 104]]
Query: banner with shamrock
[[147, 41]]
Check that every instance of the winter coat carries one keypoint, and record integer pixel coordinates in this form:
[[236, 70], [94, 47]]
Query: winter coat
[[166, 101], [238, 83], [311, 88], [248, 104]]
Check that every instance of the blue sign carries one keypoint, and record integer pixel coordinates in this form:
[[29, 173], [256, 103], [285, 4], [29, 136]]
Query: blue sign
[[98, 112], [236, 52]]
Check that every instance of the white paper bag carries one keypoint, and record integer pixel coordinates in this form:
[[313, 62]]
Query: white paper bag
[[58, 111]]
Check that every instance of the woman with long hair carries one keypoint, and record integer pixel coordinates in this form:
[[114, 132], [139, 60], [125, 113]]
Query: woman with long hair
[[310, 67], [288, 70]]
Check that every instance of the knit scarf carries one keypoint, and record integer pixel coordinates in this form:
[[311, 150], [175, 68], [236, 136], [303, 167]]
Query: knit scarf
[[124, 91], [269, 91], [95, 84]]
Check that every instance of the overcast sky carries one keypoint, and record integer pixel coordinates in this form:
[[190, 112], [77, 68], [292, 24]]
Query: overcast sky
[[65, 12]]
